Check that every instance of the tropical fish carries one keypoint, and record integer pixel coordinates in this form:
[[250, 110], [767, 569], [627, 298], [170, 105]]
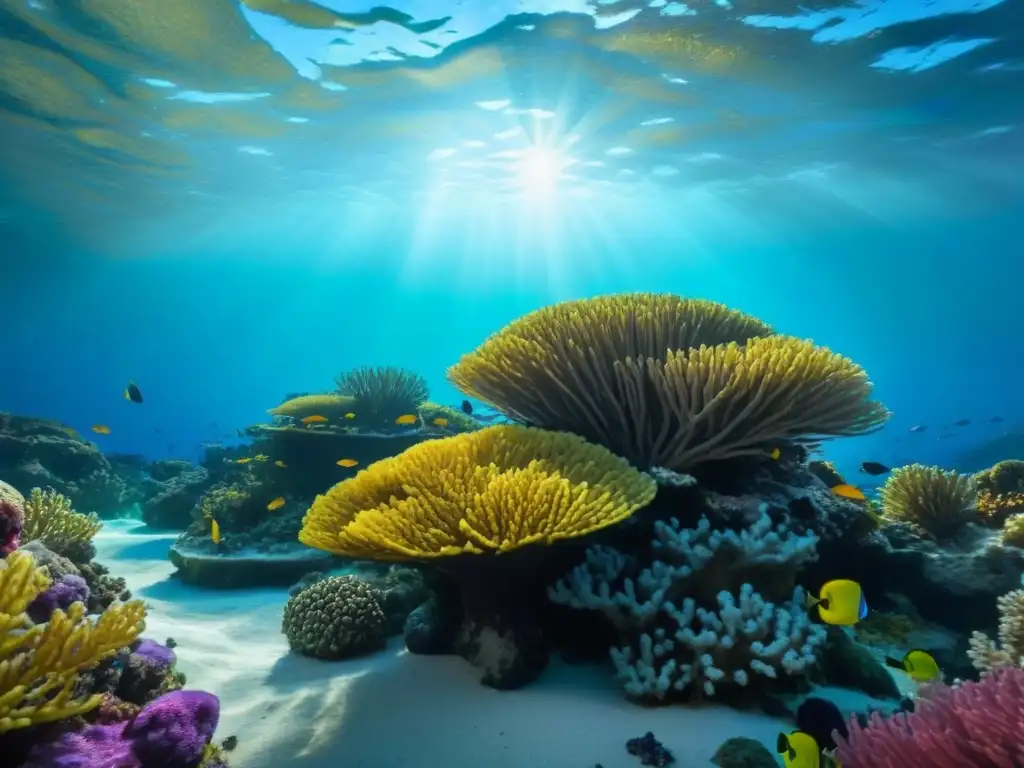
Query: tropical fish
[[214, 531], [346, 462], [440, 422], [775, 454], [961, 423], [919, 665], [918, 428], [873, 468], [244, 460], [276, 503], [996, 420], [260, 457], [132, 393], [314, 419], [798, 750], [847, 491], [100, 429], [467, 407], [280, 464], [406, 418], [840, 602], [350, 415]]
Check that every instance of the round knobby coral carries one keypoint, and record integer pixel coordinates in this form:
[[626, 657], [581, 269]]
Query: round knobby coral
[[1002, 478], [494, 490], [938, 501], [667, 381], [334, 618]]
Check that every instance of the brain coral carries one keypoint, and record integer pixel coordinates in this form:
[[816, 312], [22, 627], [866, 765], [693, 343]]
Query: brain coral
[[667, 381], [334, 618]]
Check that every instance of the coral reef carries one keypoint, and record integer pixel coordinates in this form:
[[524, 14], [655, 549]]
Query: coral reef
[[1013, 529], [380, 395], [1008, 650], [689, 622], [44, 661], [172, 505], [972, 725], [1004, 477], [174, 731], [666, 381], [50, 519], [48, 454], [939, 502], [650, 751], [335, 618], [462, 500], [739, 752]]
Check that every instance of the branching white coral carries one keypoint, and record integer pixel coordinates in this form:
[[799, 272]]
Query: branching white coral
[[987, 654]]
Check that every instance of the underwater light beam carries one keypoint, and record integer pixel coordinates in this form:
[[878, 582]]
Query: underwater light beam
[[539, 170]]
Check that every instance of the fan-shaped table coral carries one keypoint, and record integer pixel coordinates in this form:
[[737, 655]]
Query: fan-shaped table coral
[[667, 381], [470, 503]]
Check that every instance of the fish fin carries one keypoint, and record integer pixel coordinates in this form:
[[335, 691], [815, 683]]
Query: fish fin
[[894, 663], [782, 744]]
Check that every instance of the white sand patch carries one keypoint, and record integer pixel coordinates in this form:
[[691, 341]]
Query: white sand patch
[[391, 709]]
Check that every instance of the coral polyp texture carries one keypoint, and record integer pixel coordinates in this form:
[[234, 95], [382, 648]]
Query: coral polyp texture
[[971, 725], [1008, 649], [50, 519], [490, 491], [667, 381], [1004, 477], [12, 518], [939, 502], [383, 394], [690, 624], [334, 618], [40, 663]]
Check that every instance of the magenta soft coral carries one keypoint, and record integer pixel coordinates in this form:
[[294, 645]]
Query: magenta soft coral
[[973, 725]]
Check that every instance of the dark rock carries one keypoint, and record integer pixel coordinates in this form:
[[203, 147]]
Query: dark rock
[[58, 565], [243, 569], [431, 629], [48, 454], [650, 751], [847, 664], [172, 506], [104, 589]]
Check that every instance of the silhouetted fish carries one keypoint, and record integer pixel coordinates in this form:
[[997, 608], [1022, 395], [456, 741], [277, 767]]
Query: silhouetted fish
[[132, 393], [996, 419], [918, 428], [873, 468], [467, 407], [961, 423]]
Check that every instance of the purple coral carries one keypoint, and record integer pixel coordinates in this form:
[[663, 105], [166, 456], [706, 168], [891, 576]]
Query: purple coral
[[973, 725], [170, 732], [68, 589], [10, 526], [153, 654]]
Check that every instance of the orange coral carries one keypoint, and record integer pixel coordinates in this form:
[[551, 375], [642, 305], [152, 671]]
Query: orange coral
[[996, 507]]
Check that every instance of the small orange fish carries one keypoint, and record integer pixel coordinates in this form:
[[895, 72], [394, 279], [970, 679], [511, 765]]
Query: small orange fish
[[775, 454], [346, 462], [246, 460], [847, 491], [440, 422], [214, 531], [276, 503], [280, 464], [100, 429], [315, 419], [407, 418], [350, 416]]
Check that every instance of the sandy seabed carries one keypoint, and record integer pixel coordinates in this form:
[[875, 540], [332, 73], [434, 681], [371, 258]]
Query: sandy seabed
[[391, 709]]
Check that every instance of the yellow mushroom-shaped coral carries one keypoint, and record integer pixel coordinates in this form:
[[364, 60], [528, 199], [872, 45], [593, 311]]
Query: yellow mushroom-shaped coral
[[489, 491], [40, 664], [331, 407]]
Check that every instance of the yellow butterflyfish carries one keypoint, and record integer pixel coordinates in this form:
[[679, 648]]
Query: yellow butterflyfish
[[346, 462], [280, 464], [350, 415], [919, 665], [276, 503], [840, 602], [799, 750], [214, 531], [405, 419], [847, 491], [100, 429]]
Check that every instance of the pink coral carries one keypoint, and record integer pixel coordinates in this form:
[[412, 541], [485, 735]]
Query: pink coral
[[972, 725]]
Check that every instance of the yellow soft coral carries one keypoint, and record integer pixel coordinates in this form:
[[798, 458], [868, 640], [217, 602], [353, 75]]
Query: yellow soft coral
[[1013, 530], [50, 519], [987, 654], [666, 381], [493, 490], [936, 500], [39, 664]]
